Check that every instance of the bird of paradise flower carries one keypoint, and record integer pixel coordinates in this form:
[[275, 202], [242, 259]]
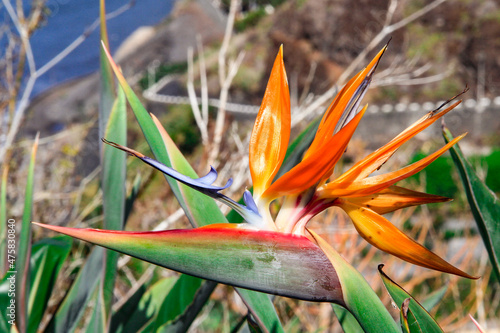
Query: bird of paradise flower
[[281, 255]]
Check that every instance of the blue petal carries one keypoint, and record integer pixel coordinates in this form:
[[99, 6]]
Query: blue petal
[[210, 177], [248, 199], [203, 184], [200, 184]]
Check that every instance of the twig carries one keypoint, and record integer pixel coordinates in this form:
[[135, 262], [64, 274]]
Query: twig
[[35, 74], [221, 115], [203, 81], [380, 37], [194, 102], [225, 82]]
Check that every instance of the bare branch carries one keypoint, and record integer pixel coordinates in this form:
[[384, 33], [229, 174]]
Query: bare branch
[[23, 103], [193, 100], [203, 81], [225, 82], [380, 37]]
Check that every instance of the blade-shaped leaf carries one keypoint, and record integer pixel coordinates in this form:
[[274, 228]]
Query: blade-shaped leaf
[[76, 300], [484, 204], [97, 322], [178, 313], [107, 82], [148, 128], [242, 257], [113, 189], [3, 217], [347, 320], [132, 196], [24, 248], [431, 300], [263, 310], [47, 258], [113, 125], [359, 297], [141, 309], [7, 317], [422, 318], [408, 322]]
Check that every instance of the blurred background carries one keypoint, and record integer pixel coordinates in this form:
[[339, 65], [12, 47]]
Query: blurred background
[[436, 50]]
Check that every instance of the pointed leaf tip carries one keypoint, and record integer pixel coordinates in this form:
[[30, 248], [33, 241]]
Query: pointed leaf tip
[[413, 313], [266, 261]]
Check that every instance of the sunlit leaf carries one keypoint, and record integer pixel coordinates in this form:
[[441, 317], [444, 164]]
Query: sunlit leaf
[[47, 258], [3, 217], [141, 309], [22, 262], [347, 320], [422, 319], [360, 299], [262, 309], [72, 308], [484, 204], [242, 257]]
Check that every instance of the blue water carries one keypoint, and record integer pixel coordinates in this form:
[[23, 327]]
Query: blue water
[[68, 19]]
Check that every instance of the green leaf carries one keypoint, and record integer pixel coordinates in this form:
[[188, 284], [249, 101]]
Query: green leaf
[[97, 322], [484, 204], [409, 323], [47, 258], [113, 125], [178, 299], [359, 298], [422, 319], [262, 310], [347, 320], [24, 248], [246, 258], [73, 306], [189, 309], [431, 300], [141, 309], [8, 316], [129, 203], [107, 88], [3, 217], [113, 188]]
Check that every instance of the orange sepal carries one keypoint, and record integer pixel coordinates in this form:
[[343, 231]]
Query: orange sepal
[[271, 132], [337, 107], [376, 159], [394, 198], [374, 184], [313, 168], [382, 234]]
